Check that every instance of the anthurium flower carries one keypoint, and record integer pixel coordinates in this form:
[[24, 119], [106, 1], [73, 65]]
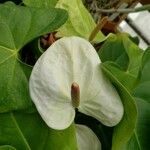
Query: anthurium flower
[[86, 138], [68, 76]]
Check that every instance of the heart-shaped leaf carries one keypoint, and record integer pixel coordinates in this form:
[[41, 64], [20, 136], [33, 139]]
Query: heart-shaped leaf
[[79, 23], [124, 130], [129, 58], [140, 138], [29, 132], [18, 26]]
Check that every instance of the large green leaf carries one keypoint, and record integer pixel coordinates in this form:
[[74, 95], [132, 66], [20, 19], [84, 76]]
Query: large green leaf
[[126, 78], [140, 138], [7, 147], [29, 132], [125, 68], [142, 90], [80, 22], [124, 130], [40, 3], [121, 50], [18, 26]]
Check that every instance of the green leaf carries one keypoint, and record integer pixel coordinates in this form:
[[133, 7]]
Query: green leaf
[[29, 132], [7, 147], [135, 39], [140, 138], [130, 80], [9, 128], [127, 79], [142, 90], [80, 22], [40, 3], [122, 51], [18, 26], [14, 1], [124, 130]]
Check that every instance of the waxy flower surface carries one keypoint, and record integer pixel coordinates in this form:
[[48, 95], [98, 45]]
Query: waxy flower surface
[[68, 76], [86, 138]]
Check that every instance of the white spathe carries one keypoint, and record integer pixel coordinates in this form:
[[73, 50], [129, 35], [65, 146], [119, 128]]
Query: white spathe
[[68, 60], [86, 138]]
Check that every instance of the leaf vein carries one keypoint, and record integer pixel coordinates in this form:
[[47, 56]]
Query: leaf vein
[[16, 124]]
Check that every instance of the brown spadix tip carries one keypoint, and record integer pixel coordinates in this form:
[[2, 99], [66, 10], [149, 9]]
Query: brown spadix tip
[[75, 94]]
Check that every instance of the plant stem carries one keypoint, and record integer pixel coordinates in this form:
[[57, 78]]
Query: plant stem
[[111, 3], [127, 10], [98, 28]]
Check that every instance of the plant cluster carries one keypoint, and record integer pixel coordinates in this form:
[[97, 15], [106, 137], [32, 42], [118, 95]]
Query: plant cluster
[[72, 95]]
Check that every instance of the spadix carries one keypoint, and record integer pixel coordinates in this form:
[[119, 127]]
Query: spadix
[[71, 62]]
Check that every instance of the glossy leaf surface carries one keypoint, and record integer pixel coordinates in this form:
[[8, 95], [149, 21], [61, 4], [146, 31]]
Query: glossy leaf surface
[[142, 89], [124, 130], [40, 3], [18, 26], [80, 22], [121, 50], [31, 133]]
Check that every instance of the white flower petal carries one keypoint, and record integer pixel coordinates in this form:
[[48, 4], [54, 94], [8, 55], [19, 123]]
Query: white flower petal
[[68, 60], [86, 138], [55, 110], [103, 102]]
